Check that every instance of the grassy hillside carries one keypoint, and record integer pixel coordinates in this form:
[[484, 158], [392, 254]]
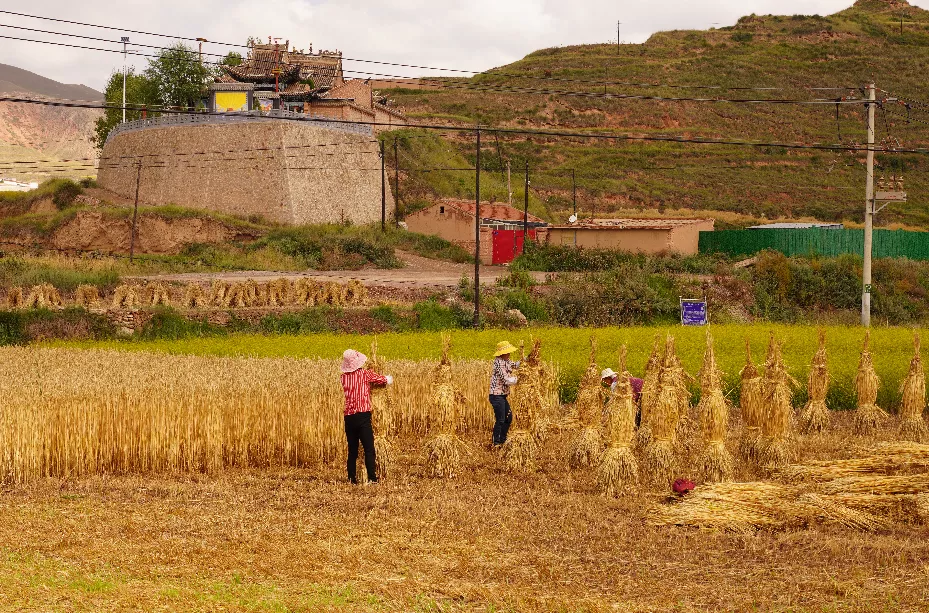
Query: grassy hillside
[[737, 184]]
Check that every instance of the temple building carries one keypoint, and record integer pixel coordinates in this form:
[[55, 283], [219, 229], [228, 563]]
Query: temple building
[[275, 77]]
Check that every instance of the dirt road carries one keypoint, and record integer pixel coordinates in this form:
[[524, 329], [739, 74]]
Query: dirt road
[[418, 273]]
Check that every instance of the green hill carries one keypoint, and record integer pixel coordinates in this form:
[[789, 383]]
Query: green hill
[[883, 40]]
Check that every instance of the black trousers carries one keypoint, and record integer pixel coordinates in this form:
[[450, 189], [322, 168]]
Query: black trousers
[[503, 417], [358, 429]]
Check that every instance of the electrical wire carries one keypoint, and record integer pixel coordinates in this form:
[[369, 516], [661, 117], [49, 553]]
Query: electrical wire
[[403, 65], [523, 131], [513, 89]]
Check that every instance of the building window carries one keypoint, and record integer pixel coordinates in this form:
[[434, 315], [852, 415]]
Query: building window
[[441, 210]]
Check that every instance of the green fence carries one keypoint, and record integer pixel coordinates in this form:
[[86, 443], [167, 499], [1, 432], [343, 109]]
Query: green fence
[[816, 241]]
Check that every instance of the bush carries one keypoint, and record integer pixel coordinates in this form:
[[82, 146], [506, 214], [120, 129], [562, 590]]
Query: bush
[[167, 323], [432, 316], [557, 258], [309, 321], [617, 298]]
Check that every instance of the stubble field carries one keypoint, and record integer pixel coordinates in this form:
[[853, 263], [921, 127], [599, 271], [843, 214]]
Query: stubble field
[[241, 508]]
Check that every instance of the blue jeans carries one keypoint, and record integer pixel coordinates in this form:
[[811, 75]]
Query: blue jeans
[[502, 418]]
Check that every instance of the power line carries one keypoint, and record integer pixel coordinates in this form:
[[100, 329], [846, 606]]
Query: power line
[[518, 131], [414, 66], [509, 89]]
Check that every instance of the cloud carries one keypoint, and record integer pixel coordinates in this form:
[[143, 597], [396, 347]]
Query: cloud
[[474, 35]]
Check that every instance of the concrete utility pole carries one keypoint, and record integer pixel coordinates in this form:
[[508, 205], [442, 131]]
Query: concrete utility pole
[[477, 233], [396, 177], [135, 212], [201, 40], [526, 209], [868, 214], [125, 41]]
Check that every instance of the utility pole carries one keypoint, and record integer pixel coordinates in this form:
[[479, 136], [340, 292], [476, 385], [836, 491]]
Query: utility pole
[[383, 190], [574, 191], [125, 41], [868, 215], [526, 209], [135, 211], [618, 46], [201, 40], [477, 233], [396, 177], [509, 184]]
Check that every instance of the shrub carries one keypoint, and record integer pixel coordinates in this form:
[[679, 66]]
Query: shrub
[[167, 323]]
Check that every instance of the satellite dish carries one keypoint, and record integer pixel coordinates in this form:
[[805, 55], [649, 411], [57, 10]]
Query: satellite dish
[[572, 219]]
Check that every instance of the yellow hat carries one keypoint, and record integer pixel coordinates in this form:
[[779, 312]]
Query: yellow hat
[[503, 348]]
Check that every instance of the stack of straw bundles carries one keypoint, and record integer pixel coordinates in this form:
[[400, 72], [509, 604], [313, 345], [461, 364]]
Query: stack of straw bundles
[[776, 447], [528, 399], [912, 425], [713, 410], [619, 468], [673, 402], [443, 450], [868, 415], [588, 445], [750, 403], [815, 414]]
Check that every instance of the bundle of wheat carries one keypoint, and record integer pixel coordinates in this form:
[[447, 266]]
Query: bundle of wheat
[[43, 296], [815, 414], [588, 445], [673, 403], [886, 458], [527, 400], [306, 292], [218, 292], [868, 415], [334, 293], [126, 297], [356, 293], [649, 397], [280, 292], [383, 418], [912, 425], [236, 296], [737, 507], [713, 411], [255, 295], [159, 294], [619, 469], [776, 447], [195, 297], [14, 298], [443, 450], [750, 404], [86, 296]]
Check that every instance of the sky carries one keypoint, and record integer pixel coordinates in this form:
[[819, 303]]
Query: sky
[[474, 35]]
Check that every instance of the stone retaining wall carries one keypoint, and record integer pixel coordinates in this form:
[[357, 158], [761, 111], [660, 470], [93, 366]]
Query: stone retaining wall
[[284, 171]]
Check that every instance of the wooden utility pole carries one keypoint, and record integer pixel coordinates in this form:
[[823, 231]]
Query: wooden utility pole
[[396, 176], [135, 211], [526, 209], [383, 190], [868, 214], [574, 191], [509, 184], [477, 233]]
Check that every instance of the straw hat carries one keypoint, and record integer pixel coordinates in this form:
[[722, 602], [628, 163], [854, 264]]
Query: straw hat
[[607, 373], [352, 360], [503, 348]]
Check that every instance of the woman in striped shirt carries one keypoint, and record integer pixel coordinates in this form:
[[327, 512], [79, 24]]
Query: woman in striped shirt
[[356, 384], [501, 378]]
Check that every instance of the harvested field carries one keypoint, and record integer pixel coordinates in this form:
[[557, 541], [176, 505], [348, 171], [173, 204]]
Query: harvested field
[[302, 540]]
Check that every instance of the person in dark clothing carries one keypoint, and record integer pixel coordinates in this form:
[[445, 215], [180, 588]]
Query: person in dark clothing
[[501, 378], [356, 384]]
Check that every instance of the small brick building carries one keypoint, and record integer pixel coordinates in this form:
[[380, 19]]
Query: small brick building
[[501, 227], [634, 235]]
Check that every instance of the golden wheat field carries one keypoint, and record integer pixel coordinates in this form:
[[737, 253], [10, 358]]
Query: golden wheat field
[[142, 481]]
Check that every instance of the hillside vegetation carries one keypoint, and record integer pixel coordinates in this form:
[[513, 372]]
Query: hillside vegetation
[[738, 185]]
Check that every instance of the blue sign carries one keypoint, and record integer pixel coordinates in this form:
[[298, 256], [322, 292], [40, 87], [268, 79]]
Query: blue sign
[[693, 313]]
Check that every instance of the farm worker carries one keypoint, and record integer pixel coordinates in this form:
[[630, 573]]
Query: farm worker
[[356, 384], [501, 378], [610, 378]]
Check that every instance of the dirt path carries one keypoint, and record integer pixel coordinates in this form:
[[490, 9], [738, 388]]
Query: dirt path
[[419, 272]]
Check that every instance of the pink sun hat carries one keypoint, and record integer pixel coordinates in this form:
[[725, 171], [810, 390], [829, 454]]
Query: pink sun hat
[[352, 360]]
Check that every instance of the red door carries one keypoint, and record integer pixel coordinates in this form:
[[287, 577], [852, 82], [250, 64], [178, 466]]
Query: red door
[[508, 244]]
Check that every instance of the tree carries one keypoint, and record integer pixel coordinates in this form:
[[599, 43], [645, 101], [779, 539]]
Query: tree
[[178, 76], [139, 91], [233, 58]]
